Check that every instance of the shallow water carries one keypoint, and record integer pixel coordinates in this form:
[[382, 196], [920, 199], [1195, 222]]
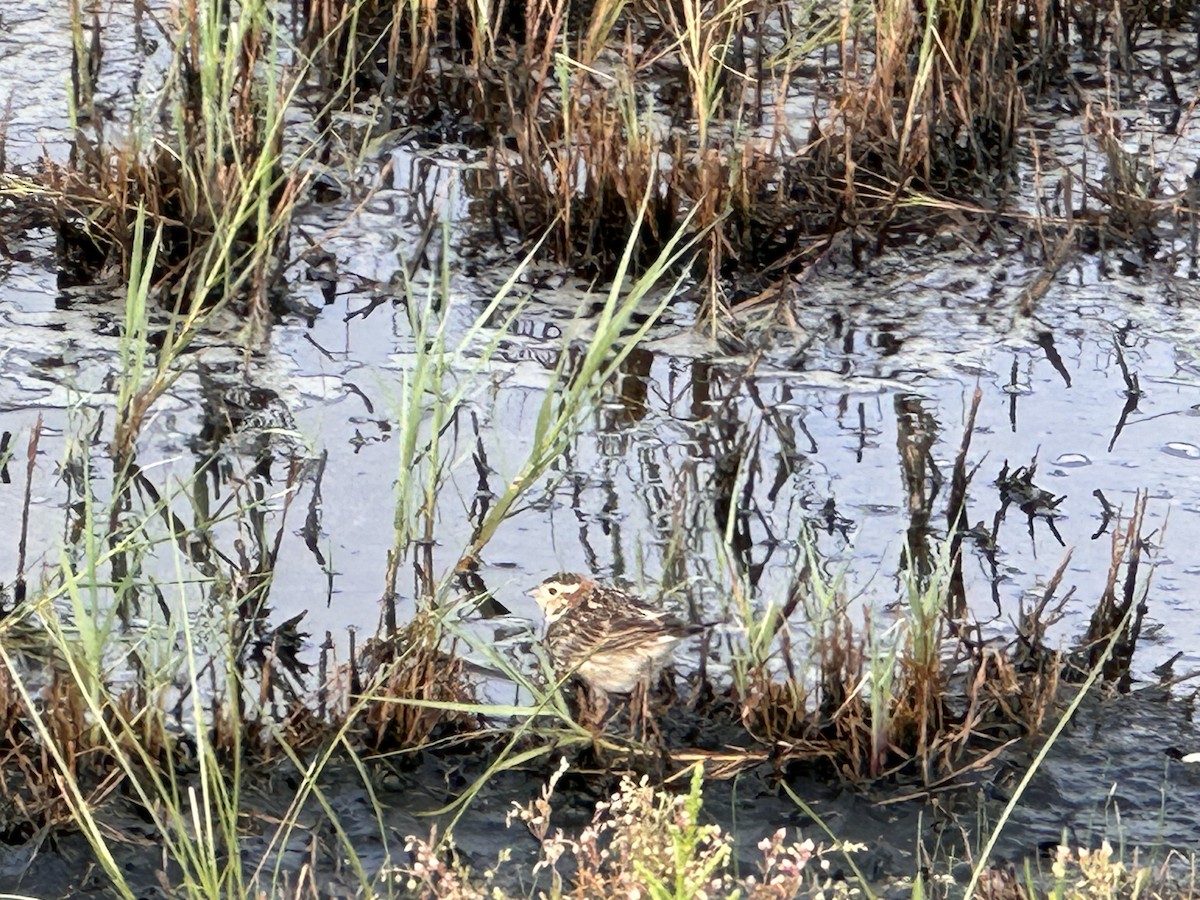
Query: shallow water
[[833, 415], [819, 440]]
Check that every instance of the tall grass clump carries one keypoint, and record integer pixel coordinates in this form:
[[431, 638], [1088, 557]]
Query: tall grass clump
[[769, 129], [586, 108], [181, 754], [201, 160], [187, 198], [156, 692], [415, 691], [942, 99], [901, 691]]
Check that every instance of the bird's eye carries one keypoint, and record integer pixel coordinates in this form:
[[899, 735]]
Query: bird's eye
[[552, 591]]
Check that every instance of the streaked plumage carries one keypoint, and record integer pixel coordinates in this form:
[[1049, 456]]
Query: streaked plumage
[[611, 638]]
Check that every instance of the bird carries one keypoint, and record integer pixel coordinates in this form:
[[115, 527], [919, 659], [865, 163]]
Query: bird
[[612, 639]]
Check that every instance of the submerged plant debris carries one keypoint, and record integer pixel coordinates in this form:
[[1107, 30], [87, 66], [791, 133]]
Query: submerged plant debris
[[862, 334]]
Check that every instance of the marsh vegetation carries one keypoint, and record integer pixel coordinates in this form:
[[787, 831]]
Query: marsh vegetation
[[681, 166]]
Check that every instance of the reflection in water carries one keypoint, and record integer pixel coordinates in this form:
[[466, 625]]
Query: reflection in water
[[1045, 340], [694, 472], [630, 405], [149, 546], [685, 464], [1133, 391], [724, 448], [916, 433], [5, 446]]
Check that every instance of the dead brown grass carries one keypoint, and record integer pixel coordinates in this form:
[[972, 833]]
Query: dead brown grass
[[948, 701], [584, 108], [206, 175], [411, 683]]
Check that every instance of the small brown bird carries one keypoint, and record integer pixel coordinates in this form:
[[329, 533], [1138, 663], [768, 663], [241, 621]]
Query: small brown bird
[[609, 637]]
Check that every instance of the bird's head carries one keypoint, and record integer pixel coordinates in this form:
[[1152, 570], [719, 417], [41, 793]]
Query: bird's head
[[556, 594]]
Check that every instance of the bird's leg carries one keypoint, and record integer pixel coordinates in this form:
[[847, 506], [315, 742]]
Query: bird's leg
[[600, 700], [640, 718], [666, 684], [637, 705], [593, 704], [583, 699]]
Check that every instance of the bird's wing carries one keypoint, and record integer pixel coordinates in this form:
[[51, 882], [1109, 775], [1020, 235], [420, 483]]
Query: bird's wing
[[581, 637]]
